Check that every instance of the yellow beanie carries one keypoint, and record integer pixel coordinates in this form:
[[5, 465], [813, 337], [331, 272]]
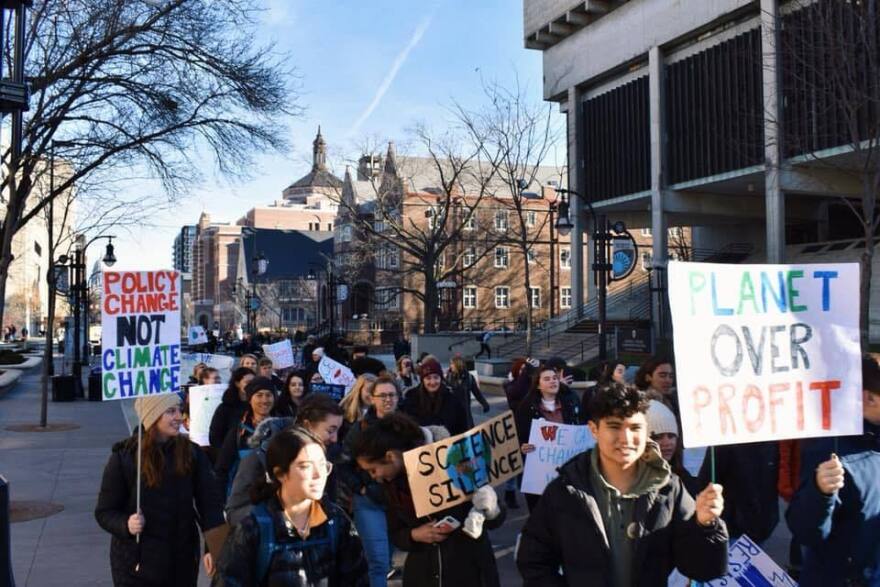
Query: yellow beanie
[[150, 408]]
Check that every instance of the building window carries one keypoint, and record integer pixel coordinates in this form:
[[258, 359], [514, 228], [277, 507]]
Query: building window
[[502, 297], [293, 315], [38, 249], [675, 232], [532, 256], [531, 218], [470, 256], [565, 258], [344, 233], [565, 297], [646, 232], [647, 259], [536, 296], [387, 299], [471, 223], [501, 220], [432, 215], [393, 258], [502, 257], [379, 226], [469, 294], [329, 227]]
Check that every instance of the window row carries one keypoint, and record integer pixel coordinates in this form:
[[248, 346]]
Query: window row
[[502, 297]]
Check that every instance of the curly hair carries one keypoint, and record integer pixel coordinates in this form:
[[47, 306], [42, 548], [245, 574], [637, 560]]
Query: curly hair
[[618, 401], [396, 431]]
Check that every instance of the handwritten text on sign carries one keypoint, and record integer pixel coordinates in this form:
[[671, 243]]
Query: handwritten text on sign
[[766, 352], [140, 324], [448, 472], [554, 444]]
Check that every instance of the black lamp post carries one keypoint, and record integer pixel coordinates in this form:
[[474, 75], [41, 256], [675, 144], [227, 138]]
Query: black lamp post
[[601, 235], [331, 292], [260, 264]]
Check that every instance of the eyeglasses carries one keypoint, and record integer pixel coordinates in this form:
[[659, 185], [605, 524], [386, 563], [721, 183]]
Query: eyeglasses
[[385, 396], [309, 467], [407, 364]]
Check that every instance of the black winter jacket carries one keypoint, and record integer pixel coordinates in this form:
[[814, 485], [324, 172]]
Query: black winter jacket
[[566, 531], [463, 388], [309, 563], [458, 561], [450, 415], [352, 478], [528, 411], [226, 417], [169, 548]]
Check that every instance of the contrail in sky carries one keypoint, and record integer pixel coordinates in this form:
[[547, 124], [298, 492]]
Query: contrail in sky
[[392, 73]]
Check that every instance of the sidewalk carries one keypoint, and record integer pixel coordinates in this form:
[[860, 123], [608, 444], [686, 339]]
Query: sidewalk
[[68, 548]]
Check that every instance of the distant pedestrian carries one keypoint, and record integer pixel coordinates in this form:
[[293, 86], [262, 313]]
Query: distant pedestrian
[[484, 344], [179, 495], [265, 369], [463, 386], [249, 361], [231, 408], [432, 402], [406, 375]]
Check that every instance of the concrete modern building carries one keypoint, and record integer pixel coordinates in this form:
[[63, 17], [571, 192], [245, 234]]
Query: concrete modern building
[[182, 254], [712, 114]]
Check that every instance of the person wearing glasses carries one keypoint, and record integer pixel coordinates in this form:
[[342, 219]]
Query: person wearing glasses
[[368, 501], [293, 535]]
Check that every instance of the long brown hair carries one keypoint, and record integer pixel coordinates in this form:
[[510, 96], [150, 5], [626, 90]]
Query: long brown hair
[[153, 457]]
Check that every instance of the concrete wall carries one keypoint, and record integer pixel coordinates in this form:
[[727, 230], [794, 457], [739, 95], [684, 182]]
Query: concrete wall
[[537, 13], [624, 35], [438, 345]]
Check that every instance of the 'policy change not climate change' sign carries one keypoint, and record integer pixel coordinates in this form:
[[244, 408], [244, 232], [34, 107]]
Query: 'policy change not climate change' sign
[[766, 352], [140, 323]]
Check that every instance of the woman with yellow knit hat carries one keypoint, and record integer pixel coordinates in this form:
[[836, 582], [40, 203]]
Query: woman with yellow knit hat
[[158, 545]]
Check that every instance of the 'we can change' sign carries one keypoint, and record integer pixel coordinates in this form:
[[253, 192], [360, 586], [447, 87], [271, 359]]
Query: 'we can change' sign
[[766, 352]]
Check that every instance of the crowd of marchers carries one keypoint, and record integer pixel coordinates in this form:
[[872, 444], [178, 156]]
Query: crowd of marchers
[[297, 489]]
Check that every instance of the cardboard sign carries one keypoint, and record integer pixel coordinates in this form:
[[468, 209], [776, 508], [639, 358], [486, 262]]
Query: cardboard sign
[[222, 363], [747, 565], [766, 352], [140, 333], [197, 335], [203, 401], [337, 392], [281, 354], [555, 444], [335, 372], [448, 472]]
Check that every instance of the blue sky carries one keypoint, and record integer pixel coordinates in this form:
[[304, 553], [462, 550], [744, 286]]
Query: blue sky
[[366, 70]]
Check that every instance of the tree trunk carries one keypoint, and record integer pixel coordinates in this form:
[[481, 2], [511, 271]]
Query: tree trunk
[[528, 289], [429, 305], [47, 352]]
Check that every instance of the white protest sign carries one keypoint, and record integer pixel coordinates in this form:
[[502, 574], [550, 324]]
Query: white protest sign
[[140, 333], [203, 402], [197, 335], [766, 352], [554, 445], [747, 564], [281, 354], [335, 372], [222, 363]]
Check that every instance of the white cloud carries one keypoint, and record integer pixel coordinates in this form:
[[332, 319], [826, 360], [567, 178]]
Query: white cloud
[[392, 73]]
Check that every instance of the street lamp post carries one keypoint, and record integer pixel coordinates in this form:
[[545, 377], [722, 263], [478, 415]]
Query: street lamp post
[[601, 235], [259, 268], [331, 291]]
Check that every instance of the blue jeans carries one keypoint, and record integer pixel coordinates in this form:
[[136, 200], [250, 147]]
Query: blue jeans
[[369, 519]]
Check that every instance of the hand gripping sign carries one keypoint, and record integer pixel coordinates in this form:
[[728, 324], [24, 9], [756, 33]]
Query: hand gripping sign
[[766, 352]]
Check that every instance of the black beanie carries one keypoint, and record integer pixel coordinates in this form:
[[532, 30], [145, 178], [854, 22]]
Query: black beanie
[[258, 384]]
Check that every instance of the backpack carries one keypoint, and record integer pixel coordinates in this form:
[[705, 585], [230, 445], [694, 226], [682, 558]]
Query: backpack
[[269, 546]]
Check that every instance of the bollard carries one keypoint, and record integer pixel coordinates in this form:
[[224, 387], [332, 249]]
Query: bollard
[[6, 578]]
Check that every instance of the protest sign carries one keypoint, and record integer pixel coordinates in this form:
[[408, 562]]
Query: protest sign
[[222, 363], [448, 472], [140, 324], [766, 352], [197, 335], [203, 401], [334, 372], [337, 392], [747, 565], [281, 354], [554, 445]]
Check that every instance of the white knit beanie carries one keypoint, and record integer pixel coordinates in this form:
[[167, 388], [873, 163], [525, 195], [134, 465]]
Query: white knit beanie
[[150, 408], [661, 420]]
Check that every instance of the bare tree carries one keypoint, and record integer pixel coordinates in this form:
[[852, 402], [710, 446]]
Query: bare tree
[[831, 64], [520, 134], [142, 86], [427, 231]]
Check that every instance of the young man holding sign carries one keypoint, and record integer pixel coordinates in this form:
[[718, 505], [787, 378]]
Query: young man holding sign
[[836, 511], [617, 515]]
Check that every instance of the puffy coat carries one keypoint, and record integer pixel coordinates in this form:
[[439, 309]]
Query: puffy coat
[[450, 413], [463, 387], [841, 532], [352, 479], [749, 474], [313, 562], [566, 531], [458, 561], [168, 552], [226, 417], [234, 449]]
